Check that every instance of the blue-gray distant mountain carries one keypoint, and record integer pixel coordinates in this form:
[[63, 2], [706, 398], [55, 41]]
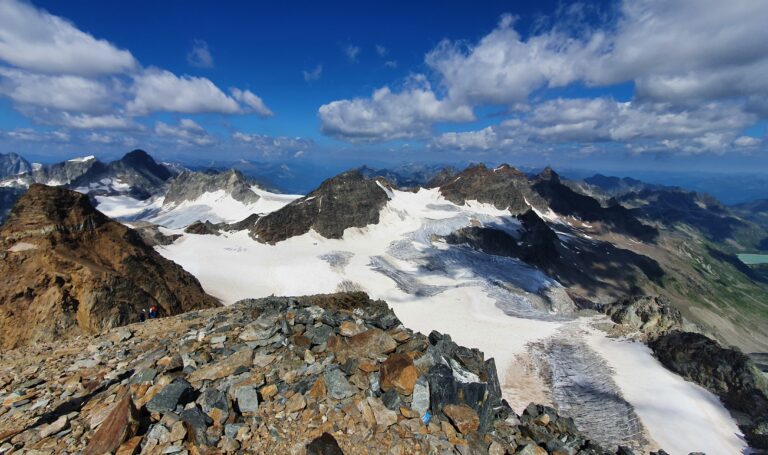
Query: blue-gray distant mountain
[[12, 164]]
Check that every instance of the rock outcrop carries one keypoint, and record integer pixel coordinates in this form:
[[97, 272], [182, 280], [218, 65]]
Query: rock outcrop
[[265, 376], [344, 201], [728, 373], [66, 270], [189, 186], [651, 316]]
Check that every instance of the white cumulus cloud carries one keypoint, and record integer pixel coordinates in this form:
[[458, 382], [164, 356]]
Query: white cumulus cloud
[[33, 39]]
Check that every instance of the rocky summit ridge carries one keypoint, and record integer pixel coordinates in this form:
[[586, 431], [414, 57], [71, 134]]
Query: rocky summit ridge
[[66, 270], [189, 186], [346, 200], [325, 374]]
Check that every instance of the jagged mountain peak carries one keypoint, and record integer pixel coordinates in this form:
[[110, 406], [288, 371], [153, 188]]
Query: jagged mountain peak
[[141, 160], [13, 164], [548, 174]]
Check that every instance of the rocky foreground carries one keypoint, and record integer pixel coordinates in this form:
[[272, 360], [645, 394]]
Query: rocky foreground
[[326, 374]]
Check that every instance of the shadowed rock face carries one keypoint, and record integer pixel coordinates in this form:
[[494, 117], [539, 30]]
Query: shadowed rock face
[[505, 187], [565, 201], [189, 186], [8, 197], [12, 164], [66, 270], [344, 201], [728, 373], [599, 268], [137, 169]]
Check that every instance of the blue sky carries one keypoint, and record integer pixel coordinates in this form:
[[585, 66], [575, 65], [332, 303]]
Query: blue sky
[[647, 84]]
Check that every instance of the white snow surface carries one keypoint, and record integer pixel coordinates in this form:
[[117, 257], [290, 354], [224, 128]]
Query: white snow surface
[[82, 159], [219, 206], [681, 416], [216, 207], [126, 207], [387, 260]]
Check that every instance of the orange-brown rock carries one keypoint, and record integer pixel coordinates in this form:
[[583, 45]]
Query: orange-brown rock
[[130, 447], [463, 417], [66, 270], [399, 373], [370, 343], [120, 425]]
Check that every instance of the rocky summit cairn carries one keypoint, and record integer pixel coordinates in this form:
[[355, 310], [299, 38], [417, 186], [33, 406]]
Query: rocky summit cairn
[[327, 374], [66, 269]]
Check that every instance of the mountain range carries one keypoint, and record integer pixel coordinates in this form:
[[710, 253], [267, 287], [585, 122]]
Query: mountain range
[[563, 282]]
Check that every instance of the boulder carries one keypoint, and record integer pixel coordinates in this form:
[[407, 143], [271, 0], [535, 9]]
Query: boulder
[[383, 416], [177, 392], [196, 423], [324, 445], [371, 343], [120, 425], [337, 385], [398, 373], [463, 417], [241, 359]]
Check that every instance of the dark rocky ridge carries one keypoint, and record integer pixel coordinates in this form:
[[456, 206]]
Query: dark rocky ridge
[[728, 373], [275, 375], [565, 201], [66, 270], [190, 185], [593, 270], [137, 169], [344, 201], [505, 187]]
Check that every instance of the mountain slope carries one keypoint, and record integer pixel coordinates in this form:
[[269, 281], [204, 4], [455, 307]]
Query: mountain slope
[[505, 187], [136, 174], [12, 164], [565, 201], [189, 186], [67, 270], [347, 200]]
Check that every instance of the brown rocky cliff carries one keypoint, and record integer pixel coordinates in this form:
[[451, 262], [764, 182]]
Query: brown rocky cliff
[[66, 269]]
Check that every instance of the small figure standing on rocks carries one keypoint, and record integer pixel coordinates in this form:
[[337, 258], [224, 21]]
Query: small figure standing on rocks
[[143, 315], [153, 312]]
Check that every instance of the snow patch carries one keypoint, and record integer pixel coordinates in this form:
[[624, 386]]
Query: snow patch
[[82, 159]]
